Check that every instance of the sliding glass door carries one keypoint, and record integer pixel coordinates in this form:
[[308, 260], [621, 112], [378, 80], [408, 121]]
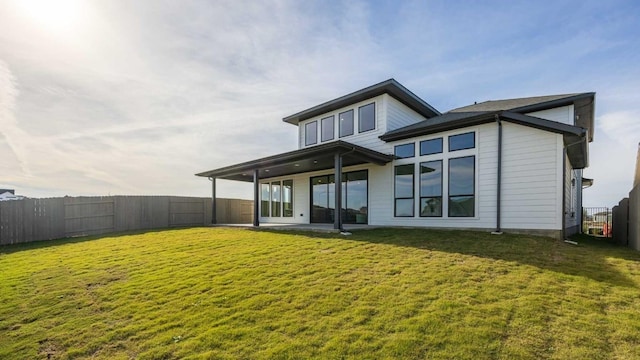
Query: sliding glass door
[[354, 198]]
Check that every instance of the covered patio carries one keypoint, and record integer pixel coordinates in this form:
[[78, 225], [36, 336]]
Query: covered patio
[[334, 155]]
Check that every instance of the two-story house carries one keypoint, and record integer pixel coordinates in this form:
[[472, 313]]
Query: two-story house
[[507, 165]]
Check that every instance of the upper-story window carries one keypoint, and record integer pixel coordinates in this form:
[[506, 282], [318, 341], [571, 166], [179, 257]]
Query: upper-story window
[[311, 133], [433, 146], [462, 141], [367, 117], [346, 123], [405, 151], [326, 125]]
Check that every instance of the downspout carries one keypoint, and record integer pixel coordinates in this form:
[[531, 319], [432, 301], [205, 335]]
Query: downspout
[[564, 192], [498, 230]]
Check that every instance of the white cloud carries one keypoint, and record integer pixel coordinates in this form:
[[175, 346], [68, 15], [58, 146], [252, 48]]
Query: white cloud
[[137, 96]]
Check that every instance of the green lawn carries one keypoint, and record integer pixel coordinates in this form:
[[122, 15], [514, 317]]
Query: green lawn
[[214, 293]]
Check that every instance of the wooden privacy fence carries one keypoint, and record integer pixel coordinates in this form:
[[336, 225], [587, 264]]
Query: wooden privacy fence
[[626, 220], [44, 219]]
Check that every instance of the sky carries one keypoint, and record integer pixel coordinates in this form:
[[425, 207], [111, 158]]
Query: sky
[[126, 97]]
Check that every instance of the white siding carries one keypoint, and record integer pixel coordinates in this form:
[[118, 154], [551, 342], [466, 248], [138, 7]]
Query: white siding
[[381, 193], [399, 115], [563, 114], [369, 139], [531, 182], [531, 178]]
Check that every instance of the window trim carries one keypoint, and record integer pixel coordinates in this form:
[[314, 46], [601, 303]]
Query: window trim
[[270, 203], [413, 193], [277, 206], [466, 148], [353, 130], [262, 200], [441, 161], [306, 132], [291, 198], [333, 128], [449, 196], [360, 118], [438, 152], [413, 147]]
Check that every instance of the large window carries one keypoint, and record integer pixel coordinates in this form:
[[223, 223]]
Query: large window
[[287, 198], [346, 123], [462, 186], [367, 117], [311, 133], [431, 188], [264, 199], [354, 198], [327, 126], [404, 182], [275, 198], [462, 141], [441, 183], [405, 151], [433, 146]]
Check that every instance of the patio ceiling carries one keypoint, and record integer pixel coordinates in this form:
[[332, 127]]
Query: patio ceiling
[[319, 157]]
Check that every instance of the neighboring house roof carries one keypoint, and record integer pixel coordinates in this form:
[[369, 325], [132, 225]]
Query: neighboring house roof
[[391, 87], [583, 106], [8, 195], [319, 157], [572, 135]]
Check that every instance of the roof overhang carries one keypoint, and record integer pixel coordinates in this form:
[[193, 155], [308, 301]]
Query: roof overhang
[[391, 87], [575, 137], [583, 109], [320, 157]]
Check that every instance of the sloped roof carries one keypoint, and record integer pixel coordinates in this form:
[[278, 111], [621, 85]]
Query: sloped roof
[[391, 87], [313, 158], [528, 104], [575, 137], [450, 121]]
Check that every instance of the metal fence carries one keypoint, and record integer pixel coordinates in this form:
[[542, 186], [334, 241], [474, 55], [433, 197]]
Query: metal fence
[[30, 220], [597, 221]]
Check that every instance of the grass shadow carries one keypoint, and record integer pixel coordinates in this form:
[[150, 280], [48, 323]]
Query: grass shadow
[[591, 258]]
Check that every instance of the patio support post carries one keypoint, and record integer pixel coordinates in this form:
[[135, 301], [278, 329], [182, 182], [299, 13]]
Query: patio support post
[[256, 198], [337, 218], [214, 219]]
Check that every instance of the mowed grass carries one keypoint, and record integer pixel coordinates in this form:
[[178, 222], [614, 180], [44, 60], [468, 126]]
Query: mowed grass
[[216, 293]]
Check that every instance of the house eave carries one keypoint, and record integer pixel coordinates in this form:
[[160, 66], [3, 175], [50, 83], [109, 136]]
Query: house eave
[[391, 87], [314, 158]]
